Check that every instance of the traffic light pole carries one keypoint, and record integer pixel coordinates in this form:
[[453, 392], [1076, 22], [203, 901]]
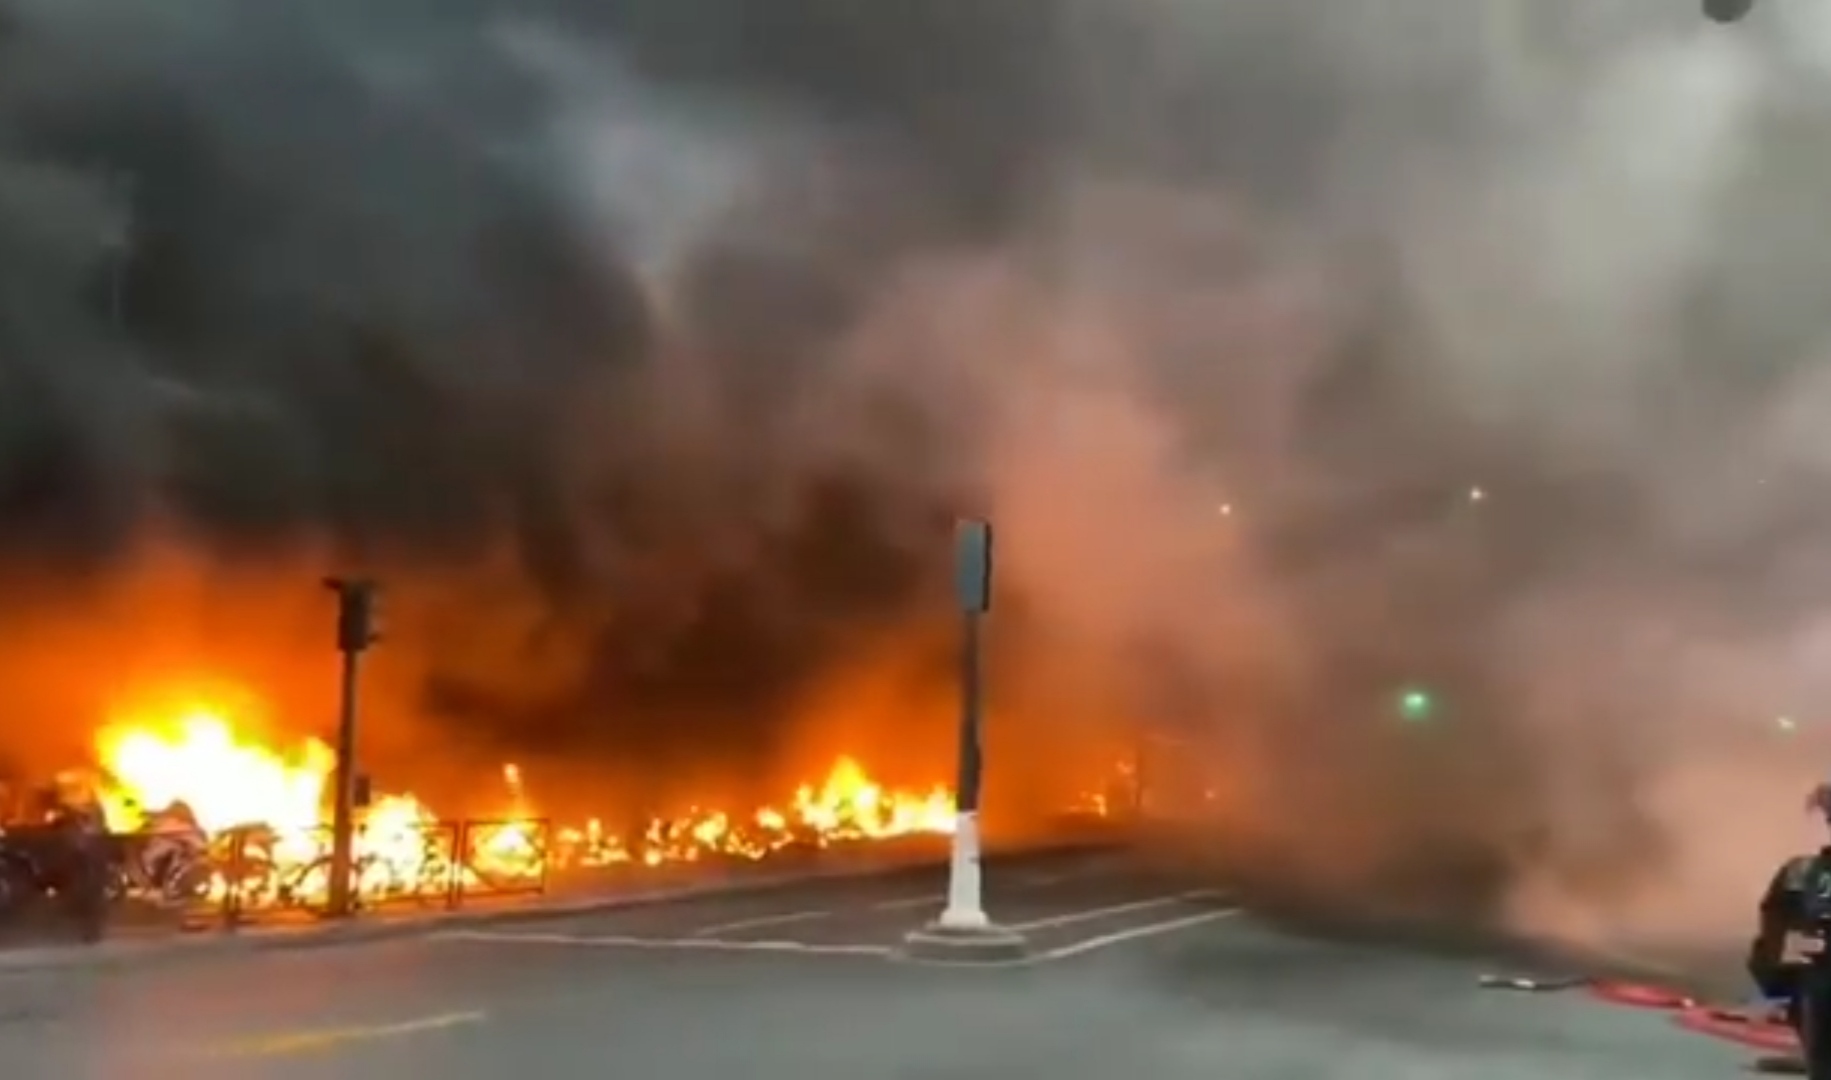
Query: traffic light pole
[[964, 933], [343, 812], [355, 633]]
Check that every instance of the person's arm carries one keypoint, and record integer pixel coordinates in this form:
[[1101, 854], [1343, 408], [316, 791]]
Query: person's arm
[[1778, 913], [1780, 902]]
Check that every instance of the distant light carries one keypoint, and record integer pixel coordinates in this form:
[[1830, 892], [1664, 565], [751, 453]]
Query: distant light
[[1415, 705], [1477, 494], [1225, 510], [1786, 723]]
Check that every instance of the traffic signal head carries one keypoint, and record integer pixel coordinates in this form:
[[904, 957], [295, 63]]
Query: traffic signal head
[[358, 617]]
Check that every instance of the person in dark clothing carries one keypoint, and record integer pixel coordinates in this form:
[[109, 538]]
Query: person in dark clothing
[[83, 862], [1787, 958], [1777, 954]]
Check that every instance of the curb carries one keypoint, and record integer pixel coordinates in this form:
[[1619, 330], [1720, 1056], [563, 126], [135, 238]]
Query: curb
[[254, 939], [987, 945]]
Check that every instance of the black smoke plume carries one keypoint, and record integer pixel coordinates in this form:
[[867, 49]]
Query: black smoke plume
[[392, 280]]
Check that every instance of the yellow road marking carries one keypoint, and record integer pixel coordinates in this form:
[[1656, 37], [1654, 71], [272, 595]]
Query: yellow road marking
[[281, 1044]]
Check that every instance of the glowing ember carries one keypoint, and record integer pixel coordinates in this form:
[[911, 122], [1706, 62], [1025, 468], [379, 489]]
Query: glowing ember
[[275, 804]]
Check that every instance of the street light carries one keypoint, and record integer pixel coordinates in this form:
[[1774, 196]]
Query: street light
[[964, 933], [357, 630]]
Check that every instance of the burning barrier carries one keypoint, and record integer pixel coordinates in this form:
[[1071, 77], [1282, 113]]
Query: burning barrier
[[253, 869], [261, 815]]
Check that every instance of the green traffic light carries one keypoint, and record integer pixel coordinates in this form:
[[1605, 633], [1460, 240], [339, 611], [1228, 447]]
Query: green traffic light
[[1416, 705]]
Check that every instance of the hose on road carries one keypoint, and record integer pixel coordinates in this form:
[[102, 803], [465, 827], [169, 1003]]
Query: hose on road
[[1756, 1029], [1637, 995]]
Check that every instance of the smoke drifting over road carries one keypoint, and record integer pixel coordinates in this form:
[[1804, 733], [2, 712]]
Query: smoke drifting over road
[[1302, 353]]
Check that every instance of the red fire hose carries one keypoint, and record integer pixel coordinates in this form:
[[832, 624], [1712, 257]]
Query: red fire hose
[[1759, 1031], [1754, 1031]]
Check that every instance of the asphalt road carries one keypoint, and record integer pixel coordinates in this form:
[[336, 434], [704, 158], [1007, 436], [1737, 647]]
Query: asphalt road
[[1128, 980]]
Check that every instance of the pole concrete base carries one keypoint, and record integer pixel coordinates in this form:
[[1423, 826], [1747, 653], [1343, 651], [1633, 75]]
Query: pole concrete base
[[963, 934], [989, 943]]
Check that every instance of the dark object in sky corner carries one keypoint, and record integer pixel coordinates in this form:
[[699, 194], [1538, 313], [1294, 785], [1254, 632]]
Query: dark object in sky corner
[[1727, 11]]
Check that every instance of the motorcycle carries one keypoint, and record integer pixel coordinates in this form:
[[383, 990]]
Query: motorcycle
[[161, 868]]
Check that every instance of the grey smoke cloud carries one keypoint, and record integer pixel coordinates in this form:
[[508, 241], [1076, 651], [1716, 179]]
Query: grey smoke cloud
[[1543, 253]]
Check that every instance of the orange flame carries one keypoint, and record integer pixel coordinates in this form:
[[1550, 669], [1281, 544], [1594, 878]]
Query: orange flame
[[233, 782]]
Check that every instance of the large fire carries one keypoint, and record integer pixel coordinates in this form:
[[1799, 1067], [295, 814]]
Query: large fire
[[270, 804]]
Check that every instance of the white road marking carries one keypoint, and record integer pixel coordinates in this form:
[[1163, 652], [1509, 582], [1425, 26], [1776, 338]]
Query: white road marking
[[1147, 904], [714, 937], [1086, 945], [690, 944], [760, 920], [1135, 933]]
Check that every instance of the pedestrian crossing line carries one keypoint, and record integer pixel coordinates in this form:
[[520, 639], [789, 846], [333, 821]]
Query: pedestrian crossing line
[[717, 929]]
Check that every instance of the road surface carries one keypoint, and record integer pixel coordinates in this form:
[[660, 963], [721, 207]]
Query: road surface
[[1129, 979]]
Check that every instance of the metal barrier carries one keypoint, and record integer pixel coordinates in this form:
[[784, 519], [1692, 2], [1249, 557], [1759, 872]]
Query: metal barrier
[[257, 874], [502, 858], [411, 864], [260, 871]]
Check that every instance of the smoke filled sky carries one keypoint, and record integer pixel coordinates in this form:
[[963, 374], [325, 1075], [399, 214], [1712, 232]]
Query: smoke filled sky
[[649, 349]]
